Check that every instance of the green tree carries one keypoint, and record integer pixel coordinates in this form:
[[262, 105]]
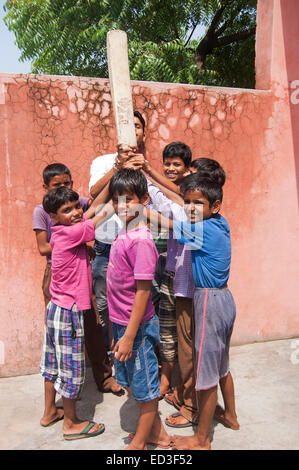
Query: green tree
[[207, 42]]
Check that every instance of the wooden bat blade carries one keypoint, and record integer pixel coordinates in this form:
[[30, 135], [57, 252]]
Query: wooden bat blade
[[119, 77]]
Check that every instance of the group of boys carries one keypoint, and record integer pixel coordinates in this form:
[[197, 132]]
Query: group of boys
[[192, 319]]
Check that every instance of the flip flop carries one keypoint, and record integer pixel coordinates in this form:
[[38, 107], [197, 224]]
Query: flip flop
[[176, 415], [162, 395], [169, 400], [83, 434], [131, 437]]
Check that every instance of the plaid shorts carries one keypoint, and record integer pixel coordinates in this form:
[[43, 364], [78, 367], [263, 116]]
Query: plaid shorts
[[167, 319], [63, 356]]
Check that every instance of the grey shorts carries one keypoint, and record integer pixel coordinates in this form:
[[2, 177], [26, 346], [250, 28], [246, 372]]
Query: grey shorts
[[214, 316]]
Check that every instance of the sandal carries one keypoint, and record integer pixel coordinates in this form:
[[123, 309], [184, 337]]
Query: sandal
[[168, 397], [176, 415], [162, 395]]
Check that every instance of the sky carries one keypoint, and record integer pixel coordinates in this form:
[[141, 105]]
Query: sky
[[9, 52]]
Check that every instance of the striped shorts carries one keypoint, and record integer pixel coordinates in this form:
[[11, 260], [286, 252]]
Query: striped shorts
[[167, 319], [63, 355]]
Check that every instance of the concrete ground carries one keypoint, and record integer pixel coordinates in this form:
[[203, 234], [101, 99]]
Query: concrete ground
[[266, 379]]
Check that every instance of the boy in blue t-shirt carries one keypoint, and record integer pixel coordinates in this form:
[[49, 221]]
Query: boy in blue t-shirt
[[208, 235]]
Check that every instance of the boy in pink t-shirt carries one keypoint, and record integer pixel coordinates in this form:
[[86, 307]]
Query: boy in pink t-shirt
[[131, 269], [63, 357]]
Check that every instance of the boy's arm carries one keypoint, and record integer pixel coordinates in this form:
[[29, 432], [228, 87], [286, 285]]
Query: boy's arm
[[102, 182], [124, 346], [162, 180], [157, 219], [123, 154], [101, 200], [42, 242], [100, 209], [184, 231], [172, 196], [104, 214]]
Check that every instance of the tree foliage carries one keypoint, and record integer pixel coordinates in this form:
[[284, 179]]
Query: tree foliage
[[185, 41]]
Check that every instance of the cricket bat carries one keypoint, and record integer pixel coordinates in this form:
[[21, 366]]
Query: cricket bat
[[120, 87]]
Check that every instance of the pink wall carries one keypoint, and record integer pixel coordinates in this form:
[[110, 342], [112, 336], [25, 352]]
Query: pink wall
[[250, 132]]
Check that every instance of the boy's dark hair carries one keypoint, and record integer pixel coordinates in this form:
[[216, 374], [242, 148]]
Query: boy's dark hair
[[208, 187], [207, 167], [140, 117], [131, 181], [178, 149], [55, 169], [55, 198]]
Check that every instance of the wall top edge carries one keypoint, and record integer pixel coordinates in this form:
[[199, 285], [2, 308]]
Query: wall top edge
[[13, 77]]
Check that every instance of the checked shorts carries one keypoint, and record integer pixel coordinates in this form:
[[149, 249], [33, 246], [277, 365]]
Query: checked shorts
[[63, 355]]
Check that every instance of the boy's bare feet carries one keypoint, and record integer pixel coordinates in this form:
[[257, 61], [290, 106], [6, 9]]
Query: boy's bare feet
[[53, 417], [131, 446], [113, 387], [224, 418], [189, 443], [165, 380], [164, 388], [161, 439], [157, 435]]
